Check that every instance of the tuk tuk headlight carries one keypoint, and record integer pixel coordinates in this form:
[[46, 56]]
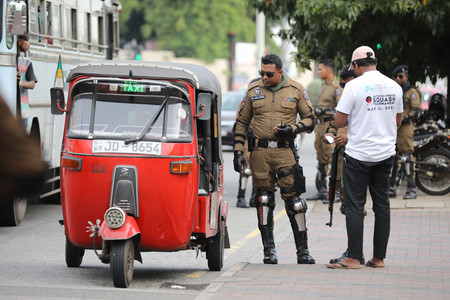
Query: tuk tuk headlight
[[115, 217]]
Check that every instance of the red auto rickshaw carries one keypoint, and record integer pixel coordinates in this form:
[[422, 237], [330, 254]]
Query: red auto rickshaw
[[141, 163]]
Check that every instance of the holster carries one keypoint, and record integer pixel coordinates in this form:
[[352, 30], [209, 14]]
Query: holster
[[251, 139], [299, 180]]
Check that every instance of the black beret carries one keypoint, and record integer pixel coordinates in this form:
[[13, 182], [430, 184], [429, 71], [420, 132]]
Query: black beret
[[400, 69]]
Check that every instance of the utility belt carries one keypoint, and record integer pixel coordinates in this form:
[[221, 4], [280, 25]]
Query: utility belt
[[324, 120], [274, 144]]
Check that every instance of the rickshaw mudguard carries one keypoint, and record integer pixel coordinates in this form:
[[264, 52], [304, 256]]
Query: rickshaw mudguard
[[224, 216], [128, 230]]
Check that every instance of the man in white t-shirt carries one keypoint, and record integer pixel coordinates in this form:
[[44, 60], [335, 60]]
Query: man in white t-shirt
[[371, 106]]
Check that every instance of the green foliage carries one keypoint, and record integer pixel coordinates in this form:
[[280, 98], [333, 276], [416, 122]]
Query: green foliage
[[189, 28], [313, 90], [410, 32]]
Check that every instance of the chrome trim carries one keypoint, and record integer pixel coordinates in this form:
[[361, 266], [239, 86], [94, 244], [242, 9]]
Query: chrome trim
[[7, 60], [129, 156]]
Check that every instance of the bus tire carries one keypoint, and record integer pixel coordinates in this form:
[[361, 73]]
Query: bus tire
[[12, 211]]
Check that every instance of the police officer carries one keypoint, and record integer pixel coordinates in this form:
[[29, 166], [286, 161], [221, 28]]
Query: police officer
[[405, 134], [273, 103], [329, 95]]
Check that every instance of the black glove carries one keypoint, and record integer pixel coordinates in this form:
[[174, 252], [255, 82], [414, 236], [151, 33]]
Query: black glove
[[284, 130], [318, 111], [239, 162]]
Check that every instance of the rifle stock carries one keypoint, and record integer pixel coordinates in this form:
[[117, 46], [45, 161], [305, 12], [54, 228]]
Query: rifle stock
[[332, 183]]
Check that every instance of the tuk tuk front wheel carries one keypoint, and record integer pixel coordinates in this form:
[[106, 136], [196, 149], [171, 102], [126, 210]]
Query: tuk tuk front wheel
[[74, 255], [122, 262], [214, 253]]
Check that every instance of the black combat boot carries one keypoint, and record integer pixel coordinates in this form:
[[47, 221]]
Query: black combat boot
[[265, 205], [241, 193], [301, 243], [393, 180], [410, 189], [270, 254], [321, 184]]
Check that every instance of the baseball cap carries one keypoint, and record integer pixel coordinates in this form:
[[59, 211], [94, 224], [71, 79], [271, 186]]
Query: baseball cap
[[360, 53]]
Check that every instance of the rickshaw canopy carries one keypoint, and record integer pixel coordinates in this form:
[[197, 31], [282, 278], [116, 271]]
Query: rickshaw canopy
[[198, 76]]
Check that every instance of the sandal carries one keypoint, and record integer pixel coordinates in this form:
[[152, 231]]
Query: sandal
[[340, 265], [371, 264]]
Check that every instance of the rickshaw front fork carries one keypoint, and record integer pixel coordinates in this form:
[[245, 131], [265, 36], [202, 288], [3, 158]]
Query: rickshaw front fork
[[129, 230]]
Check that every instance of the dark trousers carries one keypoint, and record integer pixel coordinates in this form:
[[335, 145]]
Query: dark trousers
[[358, 175]]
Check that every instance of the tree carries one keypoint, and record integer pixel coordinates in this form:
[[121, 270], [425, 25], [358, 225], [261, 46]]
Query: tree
[[189, 28], [412, 32]]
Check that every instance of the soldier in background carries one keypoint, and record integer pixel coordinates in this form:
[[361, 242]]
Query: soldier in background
[[329, 95], [405, 134]]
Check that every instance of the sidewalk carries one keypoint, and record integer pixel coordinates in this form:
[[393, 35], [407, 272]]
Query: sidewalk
[[417, 263]]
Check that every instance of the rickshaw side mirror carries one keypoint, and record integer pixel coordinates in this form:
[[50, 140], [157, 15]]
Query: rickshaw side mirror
[[203, 106], [57, 101]]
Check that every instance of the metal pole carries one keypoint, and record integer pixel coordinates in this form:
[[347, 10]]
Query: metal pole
[[260, 35], [231, 36]]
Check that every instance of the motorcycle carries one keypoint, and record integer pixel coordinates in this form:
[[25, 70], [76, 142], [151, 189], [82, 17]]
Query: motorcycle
[[141, 163], [431, 150]]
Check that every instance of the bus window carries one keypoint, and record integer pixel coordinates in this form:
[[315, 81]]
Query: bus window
[[48, 23], [33, 20], [73, 14], [101, 40], [54, 23], [88, 29]]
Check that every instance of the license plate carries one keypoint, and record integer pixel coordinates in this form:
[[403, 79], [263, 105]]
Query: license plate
[[114, 146]]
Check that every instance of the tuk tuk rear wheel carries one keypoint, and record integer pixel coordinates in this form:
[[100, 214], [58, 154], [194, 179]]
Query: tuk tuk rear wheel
[[74, 255], [122, 262], [214, 253]]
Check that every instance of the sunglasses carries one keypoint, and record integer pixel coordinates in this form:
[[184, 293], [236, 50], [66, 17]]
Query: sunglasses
[[268, 74], [399, 76]]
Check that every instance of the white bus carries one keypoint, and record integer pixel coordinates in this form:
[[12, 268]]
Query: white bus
[[78, 31]]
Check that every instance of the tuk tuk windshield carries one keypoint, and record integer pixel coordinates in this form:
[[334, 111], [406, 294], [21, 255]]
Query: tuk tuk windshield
[[125, 115]]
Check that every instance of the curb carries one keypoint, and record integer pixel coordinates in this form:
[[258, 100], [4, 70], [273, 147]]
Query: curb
[[212, 289]]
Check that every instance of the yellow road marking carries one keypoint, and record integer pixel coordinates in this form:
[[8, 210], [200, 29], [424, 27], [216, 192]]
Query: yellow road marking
[[196, 274]]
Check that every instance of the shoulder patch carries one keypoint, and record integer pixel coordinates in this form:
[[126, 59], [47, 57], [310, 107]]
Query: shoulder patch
[[245, 97], [413, 96], [338, 92], [305, 94]]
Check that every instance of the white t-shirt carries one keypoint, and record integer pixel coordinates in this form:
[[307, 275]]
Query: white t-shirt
[[372, 102]]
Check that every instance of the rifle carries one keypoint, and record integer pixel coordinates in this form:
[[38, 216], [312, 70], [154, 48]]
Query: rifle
[[332, 183]]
